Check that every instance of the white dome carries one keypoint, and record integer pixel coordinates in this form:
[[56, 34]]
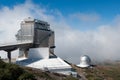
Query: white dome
[[85, 61]]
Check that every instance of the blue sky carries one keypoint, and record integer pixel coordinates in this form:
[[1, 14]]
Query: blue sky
[[69, 6], [106, 10]]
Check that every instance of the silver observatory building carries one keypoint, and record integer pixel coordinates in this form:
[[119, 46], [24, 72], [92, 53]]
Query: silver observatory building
[[35, 42], [33, 33], [38, 33]]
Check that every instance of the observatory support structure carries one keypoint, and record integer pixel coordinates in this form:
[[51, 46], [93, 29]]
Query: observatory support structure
[[23, 52], [9, 53]]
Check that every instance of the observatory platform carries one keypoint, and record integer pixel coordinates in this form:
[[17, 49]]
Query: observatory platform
[[12, 45], [51, 64]]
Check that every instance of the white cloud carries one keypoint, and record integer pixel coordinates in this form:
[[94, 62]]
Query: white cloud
[[99, 44], [102, 44], [89, 17]]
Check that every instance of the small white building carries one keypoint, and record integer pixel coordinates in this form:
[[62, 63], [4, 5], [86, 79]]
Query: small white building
[[85, 61]]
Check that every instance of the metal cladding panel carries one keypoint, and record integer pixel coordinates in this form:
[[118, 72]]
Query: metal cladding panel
[[27, 31], [41, 38]]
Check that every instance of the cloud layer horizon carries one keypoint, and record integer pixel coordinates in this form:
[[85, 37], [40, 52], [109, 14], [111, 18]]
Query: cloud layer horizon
[[100, 44]]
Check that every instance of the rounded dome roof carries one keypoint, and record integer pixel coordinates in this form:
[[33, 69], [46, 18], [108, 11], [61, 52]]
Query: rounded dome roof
[[85, 61], [85, 58]]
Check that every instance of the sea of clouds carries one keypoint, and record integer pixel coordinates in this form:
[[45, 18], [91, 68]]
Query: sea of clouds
[[100, 44]]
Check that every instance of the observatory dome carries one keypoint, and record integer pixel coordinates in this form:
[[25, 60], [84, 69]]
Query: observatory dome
[[85, 61]]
